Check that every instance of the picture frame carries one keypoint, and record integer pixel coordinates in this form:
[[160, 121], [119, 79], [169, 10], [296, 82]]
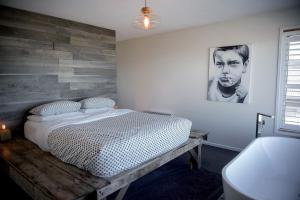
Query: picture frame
[[229, 73]]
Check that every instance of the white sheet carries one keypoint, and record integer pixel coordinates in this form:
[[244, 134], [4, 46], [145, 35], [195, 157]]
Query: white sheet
[[39, 118], [38, 132]]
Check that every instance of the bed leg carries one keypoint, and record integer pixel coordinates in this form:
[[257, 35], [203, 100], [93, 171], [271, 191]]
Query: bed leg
[[122, 192], [199, 156], [196, 155]]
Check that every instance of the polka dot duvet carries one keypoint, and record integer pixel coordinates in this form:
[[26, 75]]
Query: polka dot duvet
[[109, 146]]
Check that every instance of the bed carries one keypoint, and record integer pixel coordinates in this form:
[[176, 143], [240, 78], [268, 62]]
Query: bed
[[43, 176], [107, 142], [73, 150]]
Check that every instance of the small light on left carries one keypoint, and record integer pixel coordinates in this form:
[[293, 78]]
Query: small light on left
[[3, 127]]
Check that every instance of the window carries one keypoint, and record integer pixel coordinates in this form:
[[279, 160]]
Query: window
[[288, 88]]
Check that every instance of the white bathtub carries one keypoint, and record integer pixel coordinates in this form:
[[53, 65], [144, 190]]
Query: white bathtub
[[267, 169]]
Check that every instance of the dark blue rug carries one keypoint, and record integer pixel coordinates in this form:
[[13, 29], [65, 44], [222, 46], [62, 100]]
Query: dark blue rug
[[176, 181]]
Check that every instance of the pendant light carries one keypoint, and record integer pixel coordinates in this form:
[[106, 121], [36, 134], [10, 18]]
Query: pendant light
[[146, 20]]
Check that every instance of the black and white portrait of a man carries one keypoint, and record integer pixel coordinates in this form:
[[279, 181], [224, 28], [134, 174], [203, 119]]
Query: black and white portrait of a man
[[229, 74]]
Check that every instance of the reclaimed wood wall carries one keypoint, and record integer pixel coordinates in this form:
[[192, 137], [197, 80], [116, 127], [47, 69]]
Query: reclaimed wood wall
[[45, 58]]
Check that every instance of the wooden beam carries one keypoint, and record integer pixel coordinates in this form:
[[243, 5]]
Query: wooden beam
[[122, 192], [128, 176], [43, 176]]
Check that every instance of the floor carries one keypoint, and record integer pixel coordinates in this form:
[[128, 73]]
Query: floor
[[174, 181], [214, 159], [177, 181]]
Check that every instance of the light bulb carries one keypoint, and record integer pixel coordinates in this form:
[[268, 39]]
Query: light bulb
[[146, 22]]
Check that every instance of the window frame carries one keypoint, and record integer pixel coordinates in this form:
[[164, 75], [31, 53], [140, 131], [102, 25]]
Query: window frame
[[280, 127]]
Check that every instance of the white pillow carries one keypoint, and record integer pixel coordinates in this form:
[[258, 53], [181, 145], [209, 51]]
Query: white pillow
[[71, 115], [97, 102], [56, 108], [95, 110]]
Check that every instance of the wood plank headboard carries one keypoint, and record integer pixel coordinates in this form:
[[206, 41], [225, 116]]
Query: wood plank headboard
[[45, 58]]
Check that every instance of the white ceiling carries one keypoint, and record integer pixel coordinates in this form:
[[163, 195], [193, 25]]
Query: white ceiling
[[174, 14]]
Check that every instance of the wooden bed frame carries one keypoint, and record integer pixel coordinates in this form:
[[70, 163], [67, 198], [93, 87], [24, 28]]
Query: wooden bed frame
[[43, 176]]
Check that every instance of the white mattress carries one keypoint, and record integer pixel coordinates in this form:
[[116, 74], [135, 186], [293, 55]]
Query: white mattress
[[106, 144]]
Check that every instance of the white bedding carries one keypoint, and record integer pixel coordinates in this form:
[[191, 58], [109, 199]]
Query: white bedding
[[37, 130], [39, 118], [108, 143]]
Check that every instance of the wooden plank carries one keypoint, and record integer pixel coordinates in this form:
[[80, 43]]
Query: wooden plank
[[199, 134], [31, 169], [57, 181], [89, 86], [106, 38], [31, 17], [10, 117], [30, 96], [9, 52], [92, 71], [33, 66], [94, 64], [89, 79], [196, 155], [84, 93], [92, 29], [128, 176], [35, 35], [25, 43], [199, 156], [49, 20], [66, 63], [28, 59], [27, 25], [26, 88], [108, 52], [102, 49], [78, 174], [93, 57], [93, 86], [91, 42], [122, 192], [24, 183], [25, 106], [22, 84], [15, 145], [88, 93], [32, 176]]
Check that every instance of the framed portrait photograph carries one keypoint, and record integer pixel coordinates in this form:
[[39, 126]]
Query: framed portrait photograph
[[229, 74]]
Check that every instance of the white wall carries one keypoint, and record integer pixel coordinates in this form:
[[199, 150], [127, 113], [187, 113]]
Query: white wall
[[169, 73]]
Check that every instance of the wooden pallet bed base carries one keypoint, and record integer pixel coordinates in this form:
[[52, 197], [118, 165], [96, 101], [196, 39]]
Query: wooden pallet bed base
[[43, 176], [123, 179]]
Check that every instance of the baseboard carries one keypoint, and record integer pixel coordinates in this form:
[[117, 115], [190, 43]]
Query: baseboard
[[222, 146]]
